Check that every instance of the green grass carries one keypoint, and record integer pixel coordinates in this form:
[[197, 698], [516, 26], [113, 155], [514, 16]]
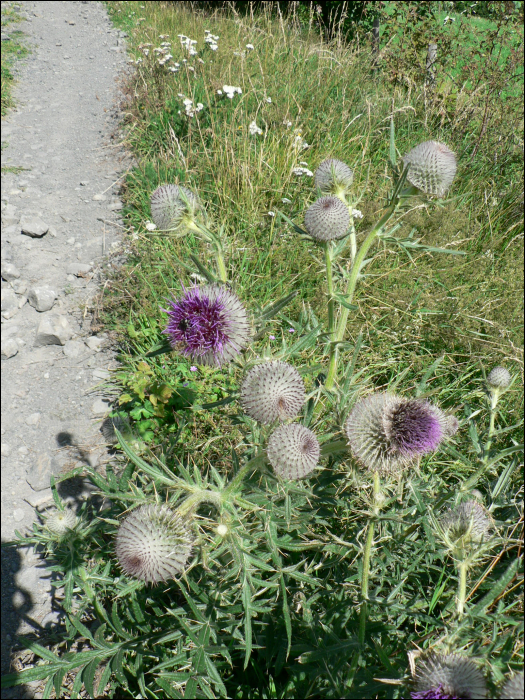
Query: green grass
[[12, 50], [273, 610]]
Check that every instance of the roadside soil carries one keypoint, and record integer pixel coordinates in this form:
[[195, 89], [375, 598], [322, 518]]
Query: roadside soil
[[61, 234]]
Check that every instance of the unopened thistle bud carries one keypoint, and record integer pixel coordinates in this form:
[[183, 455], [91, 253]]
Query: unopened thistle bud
[[121, 424], [432, 167], [513, 688], [174, 208], [293, 451], [271, 391], [386, 433], [333, 177], [327, 219], [443, 676], [61, 521], [153, 543], [499, 378], [467, 521]]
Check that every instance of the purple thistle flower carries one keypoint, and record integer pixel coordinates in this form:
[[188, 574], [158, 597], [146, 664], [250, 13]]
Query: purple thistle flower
[[208, 324], [444, 676], [291, 330], [386, 432]]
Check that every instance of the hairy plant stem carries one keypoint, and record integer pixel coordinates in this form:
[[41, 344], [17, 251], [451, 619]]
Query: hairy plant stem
[[462, 588], [472, 480], [215, 243], [350, 290], [191, 503], [243, 471], [363, 612], [330, 284]]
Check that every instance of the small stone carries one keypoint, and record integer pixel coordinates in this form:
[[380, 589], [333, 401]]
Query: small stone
[[42, 298], [94, 343], [53, 330], [99, 197], [115, 206], [19, 286], [100, 407], [9, 219], [33, 419], [6, 449], [33, 226], [100, 373], [42, 468], [52, 232], [9, 300], [23, 450], [73, 348], [78, 269], [10, 272], [18, 515], [70, 241], [84, 182]]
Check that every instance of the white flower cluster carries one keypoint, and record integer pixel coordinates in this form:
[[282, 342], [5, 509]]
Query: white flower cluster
[[188, 43], [254, 129], [145, 48], [287, 124], [163, 53], [302, 171], [250, 47], [357, 214], [150, 226], [190, 108], [229, 91], [211, 40], [299, 142]]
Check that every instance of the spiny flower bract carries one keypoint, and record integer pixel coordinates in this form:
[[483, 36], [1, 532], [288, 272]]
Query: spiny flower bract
[[60, 521], [293, 451], [169, 211], [467, 520], [208, 324], [432, 167], [153, 543], [513, 688], [387, 432], [327, 218], [333, 176], [499, 378], [443, 676], [271, 391]]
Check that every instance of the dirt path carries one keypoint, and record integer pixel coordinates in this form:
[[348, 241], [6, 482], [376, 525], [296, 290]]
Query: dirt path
[[60, 133]]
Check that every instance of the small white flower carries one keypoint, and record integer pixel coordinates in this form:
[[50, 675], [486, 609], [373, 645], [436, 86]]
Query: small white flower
[[173, 69], [145, 52], [222, 530], [254, 129], [302, 162], [150, 226], [187, 101], [271, 213], [287, 124], [179, 94], [285, 200], [269, 100], [302, 171], [191, 68], [357, 214], [250, 46], [213, 47], [219, 92], [193, 52], [162, 36]]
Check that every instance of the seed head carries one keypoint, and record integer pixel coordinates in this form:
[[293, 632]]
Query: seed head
[[386, 432], [327, 218], [169, 211], [108, 429], [293, 451], [153, 543], [333, 176], [499, 378], [432, 167], [61, 521], [208, 324], [468, 520], [513, 688], [443, 676], [271, 391]]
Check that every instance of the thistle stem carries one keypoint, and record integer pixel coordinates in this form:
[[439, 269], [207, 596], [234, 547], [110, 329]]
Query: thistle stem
[[201, 496], [363, 612], [237, 479], [350, 290], [462, 588], [221, 267], [472, 480], [330, 285]]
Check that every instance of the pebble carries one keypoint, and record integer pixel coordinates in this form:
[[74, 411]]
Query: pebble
[[9, 300], [18, 514], [99, 197], [33, 226], [94, 343], [20, 286], [42, 298], [9, 272], [53, 330], [78, 269], [100, 407], [9, 348], [73, 348], [6, 449], [33, 419], [23, 450], [70, 241], [115, 206], [37, 475]]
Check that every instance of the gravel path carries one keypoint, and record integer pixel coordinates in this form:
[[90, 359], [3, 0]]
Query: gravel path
[[56, 242]]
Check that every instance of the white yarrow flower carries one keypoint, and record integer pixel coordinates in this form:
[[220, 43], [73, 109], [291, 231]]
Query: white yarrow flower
[[254, 129], [250, 46], [150, 226]]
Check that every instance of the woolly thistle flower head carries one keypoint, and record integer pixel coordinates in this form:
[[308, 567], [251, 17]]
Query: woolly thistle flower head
[[208, 324], [386, 432], [499, 378], [513, 688], [468, 520], [271, 391], [120, 423], [293, 451], [432, 167], [327, 218], [333, 177], [443, 676], [153, 543], [174, 207], [61, 521]]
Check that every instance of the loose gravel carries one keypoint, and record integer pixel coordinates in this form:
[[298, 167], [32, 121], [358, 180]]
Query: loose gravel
[[60, 232]]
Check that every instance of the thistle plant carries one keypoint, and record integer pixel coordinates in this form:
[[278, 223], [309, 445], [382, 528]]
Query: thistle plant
[[443, 676]]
